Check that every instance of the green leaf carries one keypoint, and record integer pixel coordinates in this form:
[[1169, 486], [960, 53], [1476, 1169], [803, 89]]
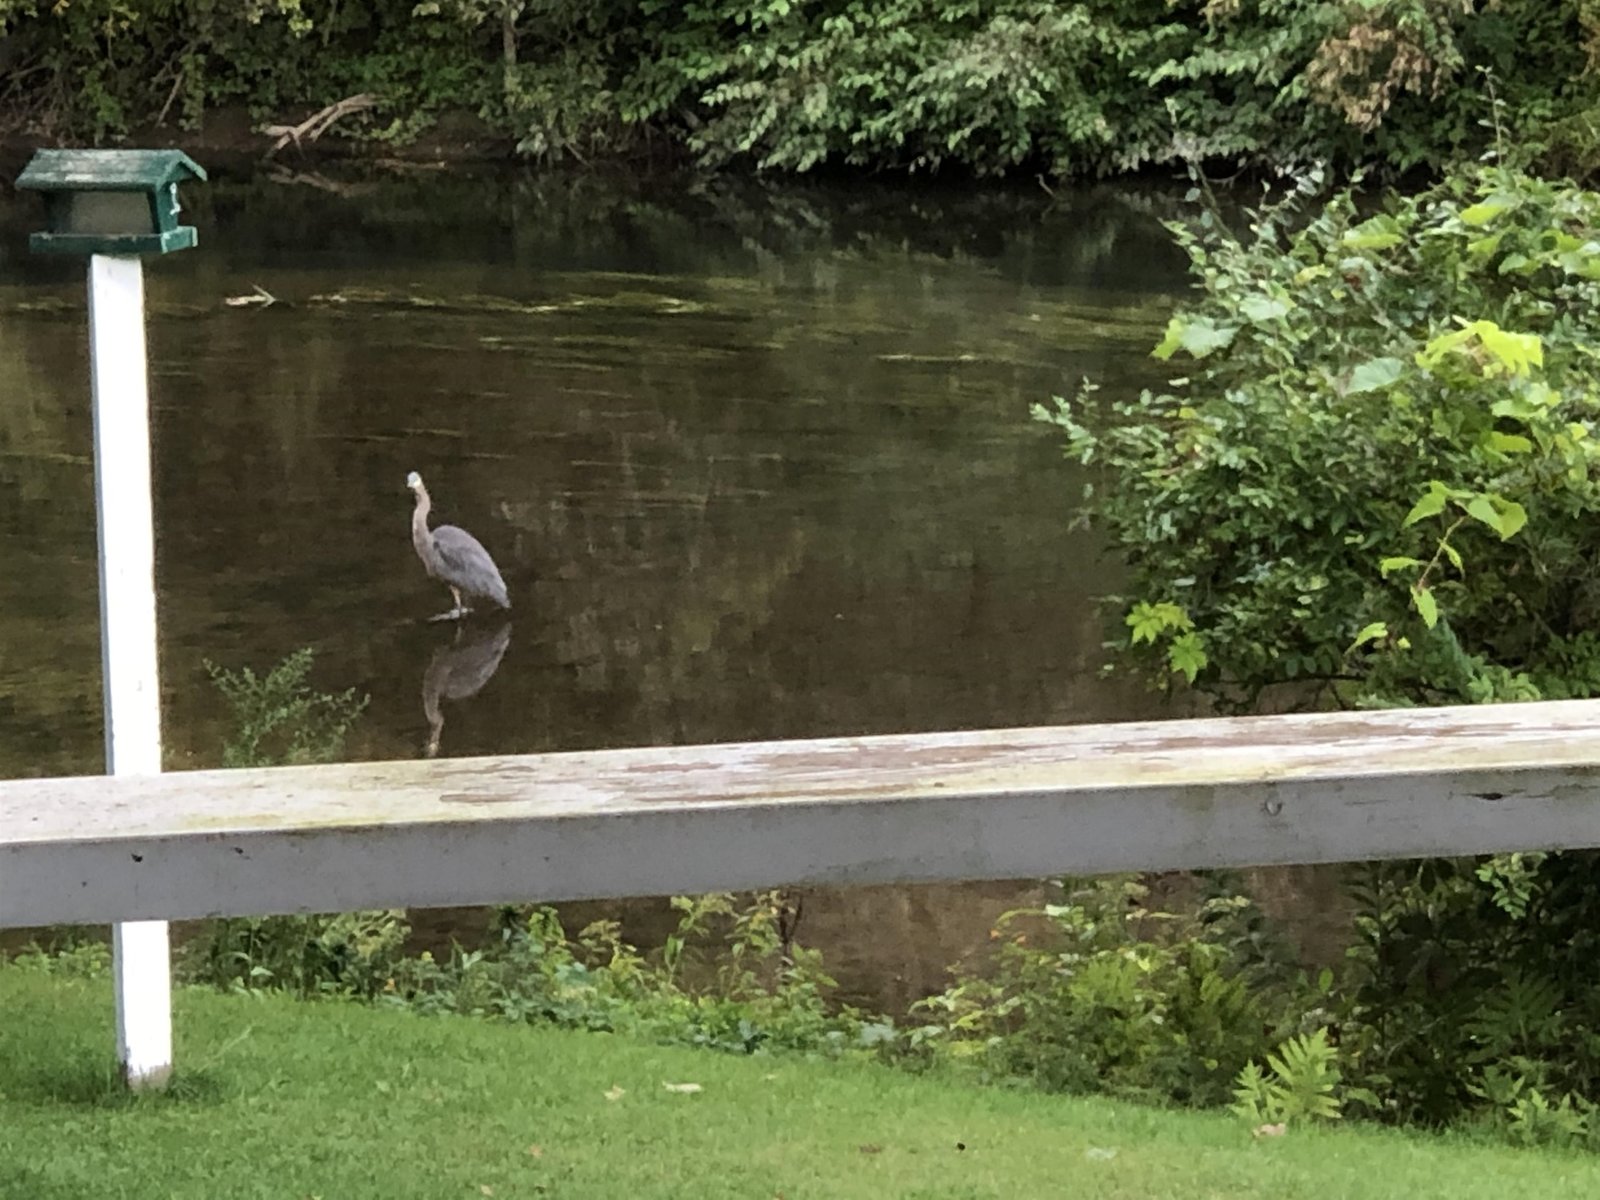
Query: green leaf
[[1479, 509], [1512, 518], [1370, 633], [1378, 233], [1431, 504], [1518, 406], [1507, 443], [1374, 374], [1513, 353], [1517, 352], [1584, 262], [1486, 210], [1148, 621], [1399, 562], [1427, 606], [1261, 309], [1187, 656], [1170, 341], [1503, 516], [1485, 246], [1202, 336]]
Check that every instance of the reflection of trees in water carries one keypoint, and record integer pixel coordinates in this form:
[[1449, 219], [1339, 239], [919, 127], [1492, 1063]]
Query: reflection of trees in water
[[459, 671], [43, 432], [49, 665], [1102, 236], [1093, 235]]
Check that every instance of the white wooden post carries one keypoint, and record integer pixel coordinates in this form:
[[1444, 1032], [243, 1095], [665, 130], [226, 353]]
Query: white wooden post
[[119, 375]]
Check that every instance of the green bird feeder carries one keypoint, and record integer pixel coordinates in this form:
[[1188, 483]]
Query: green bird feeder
[[122, 202]]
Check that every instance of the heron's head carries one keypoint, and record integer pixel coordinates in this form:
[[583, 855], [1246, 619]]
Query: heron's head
[[414, 481]]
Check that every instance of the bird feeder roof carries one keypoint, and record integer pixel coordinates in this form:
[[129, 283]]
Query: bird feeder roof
[[107, 170]]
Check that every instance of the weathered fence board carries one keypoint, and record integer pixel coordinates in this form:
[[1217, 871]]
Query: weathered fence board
[[942, 806]]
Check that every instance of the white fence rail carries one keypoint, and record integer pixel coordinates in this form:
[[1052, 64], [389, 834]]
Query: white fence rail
[[942, 806]]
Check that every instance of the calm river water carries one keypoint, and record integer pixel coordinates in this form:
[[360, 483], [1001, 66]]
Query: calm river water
[[756, 463]]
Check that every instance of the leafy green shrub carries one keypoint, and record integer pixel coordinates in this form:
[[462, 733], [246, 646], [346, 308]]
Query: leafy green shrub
[[1472, 985], [1519, 1108], [278, 720], [345, 954], [1098, 993], [76, 955], [759, 994], [728, 977], [1376, 476], [1376, 486], [1105, 85]]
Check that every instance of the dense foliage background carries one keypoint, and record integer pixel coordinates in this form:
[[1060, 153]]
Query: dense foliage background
[[1090, 87]]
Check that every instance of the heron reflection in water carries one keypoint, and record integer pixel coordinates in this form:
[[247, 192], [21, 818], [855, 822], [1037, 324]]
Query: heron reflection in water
[[454, 557], [458, 671]]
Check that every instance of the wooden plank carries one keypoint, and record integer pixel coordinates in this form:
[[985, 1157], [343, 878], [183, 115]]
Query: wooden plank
[[943, 806]]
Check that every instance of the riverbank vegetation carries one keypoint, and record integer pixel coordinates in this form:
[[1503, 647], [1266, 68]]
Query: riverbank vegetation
[[987, 86], [1371, 481]]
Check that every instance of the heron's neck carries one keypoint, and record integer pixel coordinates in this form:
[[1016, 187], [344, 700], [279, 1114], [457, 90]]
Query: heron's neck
[[419, 520]]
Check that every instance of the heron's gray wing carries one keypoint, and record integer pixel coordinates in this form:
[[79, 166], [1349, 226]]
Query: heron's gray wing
[[464, 563]]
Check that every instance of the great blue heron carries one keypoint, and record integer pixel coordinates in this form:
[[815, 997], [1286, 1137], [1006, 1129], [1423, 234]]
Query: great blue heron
[[454, 557]]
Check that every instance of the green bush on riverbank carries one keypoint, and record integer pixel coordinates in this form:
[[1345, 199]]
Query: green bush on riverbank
[[1065, 88], [1372, 481]]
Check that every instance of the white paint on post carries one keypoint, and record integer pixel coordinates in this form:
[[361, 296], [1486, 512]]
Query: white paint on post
[[144, 1002], [128, 630]]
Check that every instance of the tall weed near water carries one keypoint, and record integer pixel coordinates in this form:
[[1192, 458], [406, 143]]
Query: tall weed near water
[[1300, 1082], [278, 719], [337, 954]]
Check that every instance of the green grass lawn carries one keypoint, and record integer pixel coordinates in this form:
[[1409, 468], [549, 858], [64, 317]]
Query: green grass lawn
[[294, 1100]]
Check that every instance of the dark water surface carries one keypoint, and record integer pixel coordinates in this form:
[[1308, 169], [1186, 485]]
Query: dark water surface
[[754, 463]]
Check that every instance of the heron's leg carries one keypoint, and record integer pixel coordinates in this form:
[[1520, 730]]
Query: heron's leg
[[456, 613]]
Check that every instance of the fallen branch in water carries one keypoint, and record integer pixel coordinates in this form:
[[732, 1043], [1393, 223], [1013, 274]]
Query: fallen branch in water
[[318, 123], [262, 297]]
